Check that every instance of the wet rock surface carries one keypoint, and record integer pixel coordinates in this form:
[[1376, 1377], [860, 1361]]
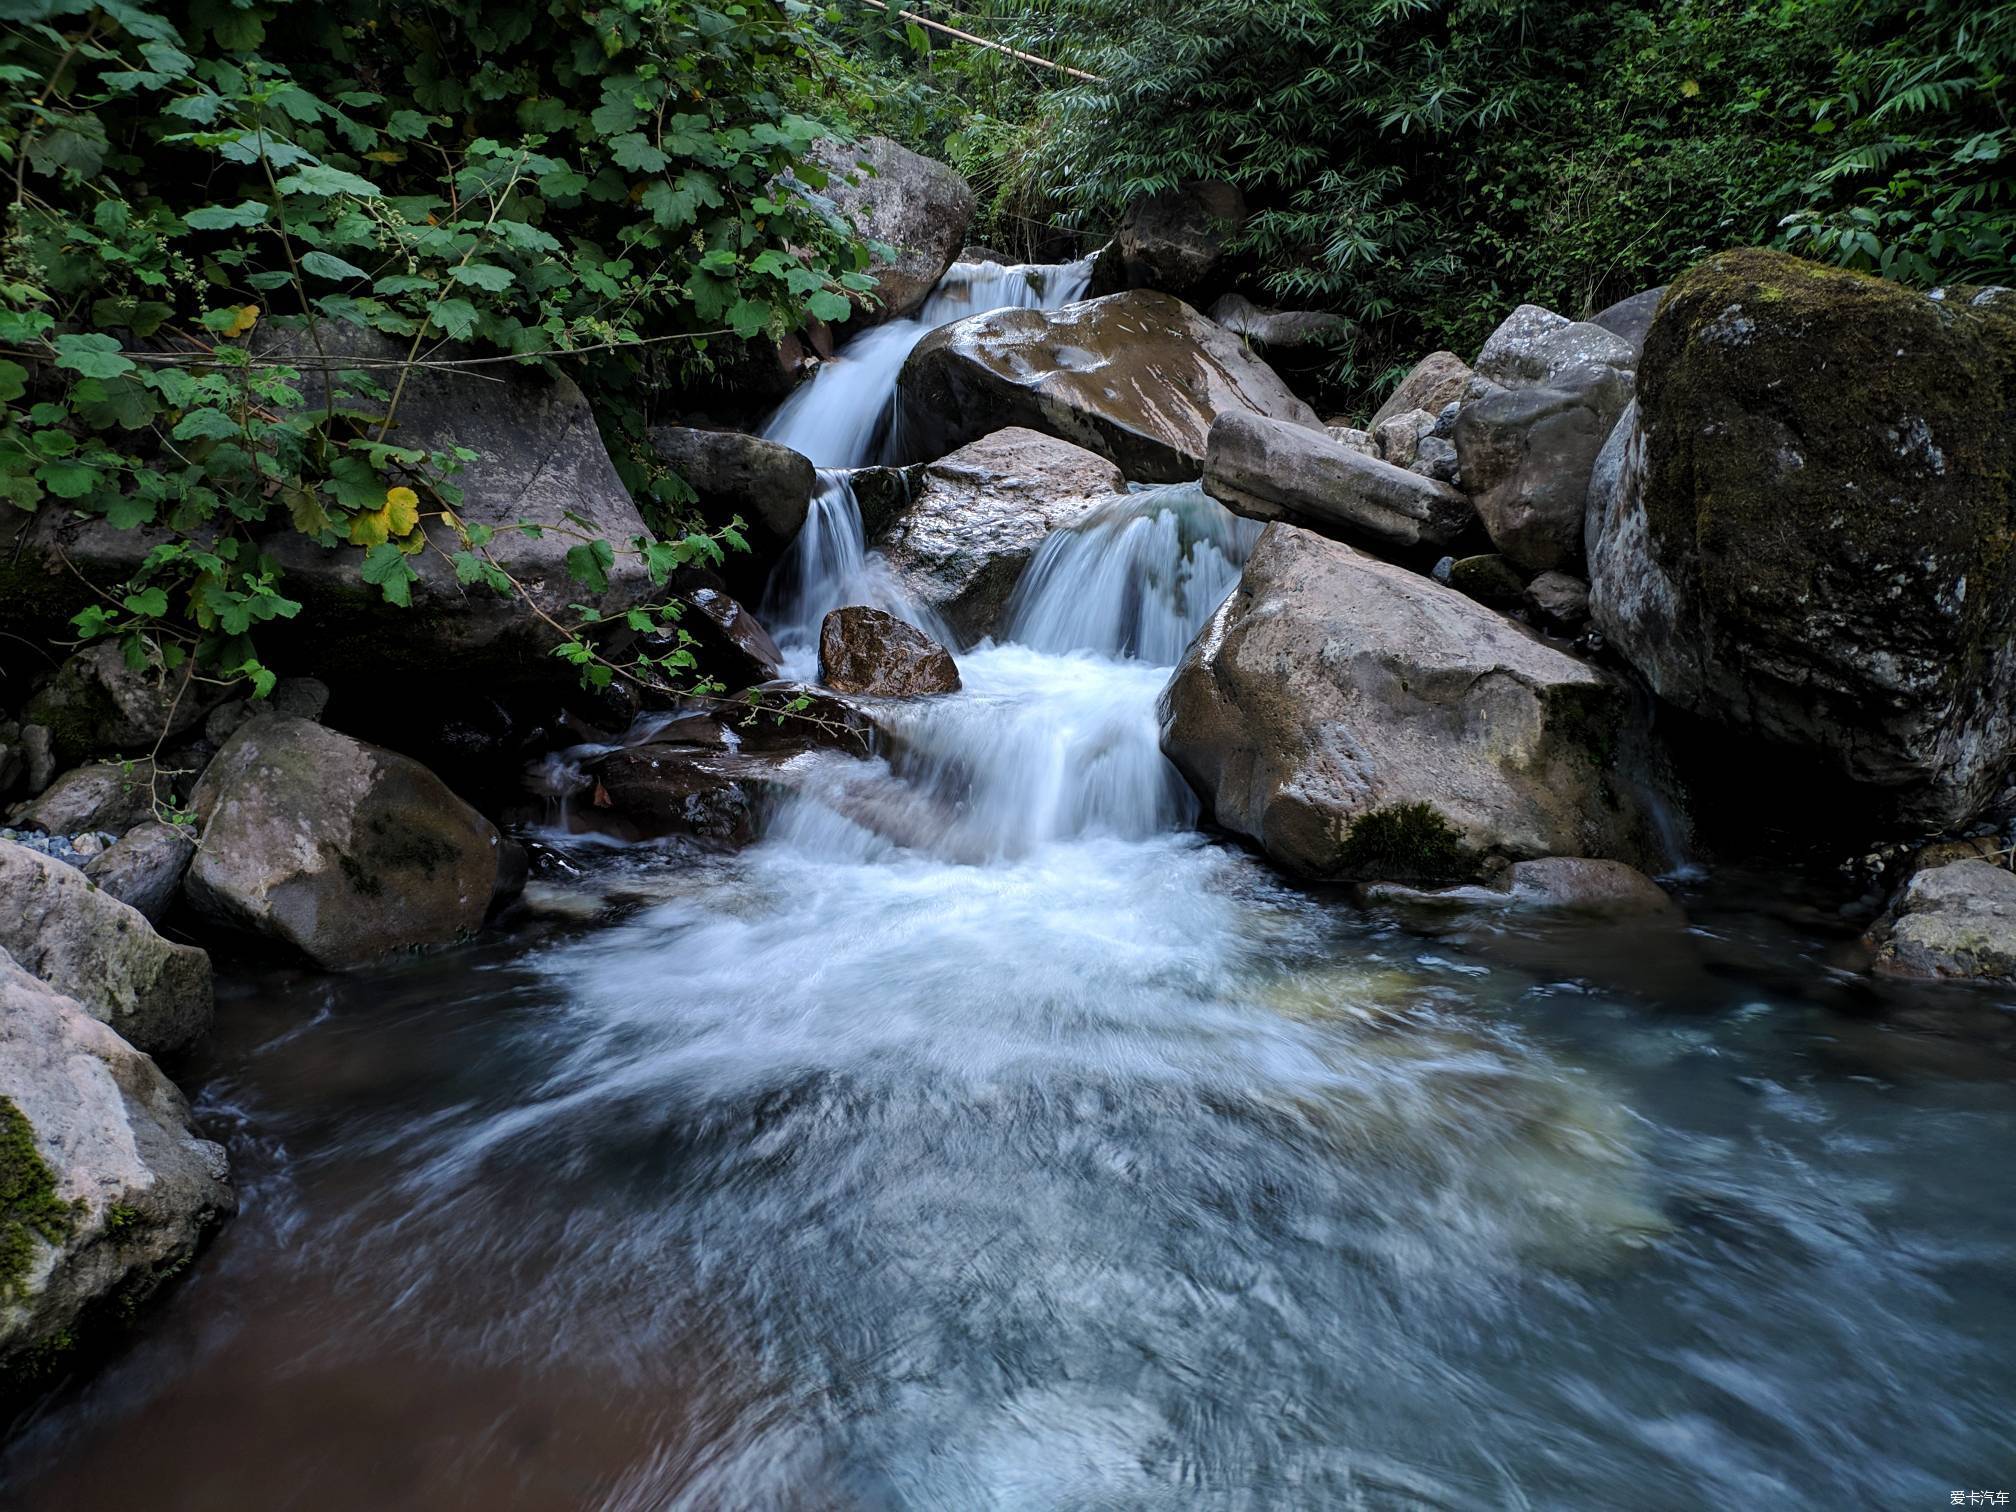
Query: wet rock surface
[[108, 1189], [973, 519], [1804, 532], [1358, 720], [1269, 469], [768, 485], [57, 924], [1577, 886], [863, 650], [1137, 377], [342, 851], [1954, 921]]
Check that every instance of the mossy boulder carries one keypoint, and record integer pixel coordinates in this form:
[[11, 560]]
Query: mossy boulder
[[1807, 530], [106, 1188], [1358, 720], [342, 851]]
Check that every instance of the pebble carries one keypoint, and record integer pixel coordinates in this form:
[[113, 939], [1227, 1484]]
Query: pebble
[[73, 849]]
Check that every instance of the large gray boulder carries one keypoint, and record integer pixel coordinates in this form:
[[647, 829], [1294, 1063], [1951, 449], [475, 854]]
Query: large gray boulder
[[912, 203], [345, 852], [1439, 379], [57, 923], [1534, 347], [1954, 921], [1631, 318], [540, 459], [1804, 532], [1276, 470], [1546, 394], [1281, 330], [1526, 456], [764, 482], [974, 519], [1355, 719], [1172, 241], [1137, 377], [106, 1188]]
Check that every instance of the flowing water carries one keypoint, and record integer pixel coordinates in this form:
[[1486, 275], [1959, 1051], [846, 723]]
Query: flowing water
[[986, 1137]]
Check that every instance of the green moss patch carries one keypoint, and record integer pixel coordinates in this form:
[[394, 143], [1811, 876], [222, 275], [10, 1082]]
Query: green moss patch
[[1403, 842], [29, 1206]]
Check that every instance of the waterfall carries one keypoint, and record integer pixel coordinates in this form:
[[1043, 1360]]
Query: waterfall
[[842, 419]]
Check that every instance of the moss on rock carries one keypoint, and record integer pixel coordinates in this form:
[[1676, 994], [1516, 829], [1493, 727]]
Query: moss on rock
[[1403, 842], [30, 1210]]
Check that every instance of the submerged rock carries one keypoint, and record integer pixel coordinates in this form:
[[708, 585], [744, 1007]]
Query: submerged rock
[[343, 851], [972, 520], [1358, 720], [106, 1189], [1269, 469], [863, 650], [1172, 241], [1805, 531], [916, 205], [1554, 884], [1956, 920], [88, 945], [1137, 377]]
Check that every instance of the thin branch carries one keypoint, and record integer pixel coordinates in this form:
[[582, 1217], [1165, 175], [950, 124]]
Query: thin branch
[[1000, 47]]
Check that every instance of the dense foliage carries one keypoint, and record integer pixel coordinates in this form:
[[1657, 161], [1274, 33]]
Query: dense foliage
[[590, 184], [1422, 165]]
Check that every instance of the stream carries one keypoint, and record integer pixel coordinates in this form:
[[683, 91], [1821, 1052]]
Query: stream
[[1029, 1148]]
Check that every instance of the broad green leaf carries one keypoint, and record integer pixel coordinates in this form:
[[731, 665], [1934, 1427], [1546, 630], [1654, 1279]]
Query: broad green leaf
[[227, 217], [92, 356], [483, 276], [328, 265], [321, 180]]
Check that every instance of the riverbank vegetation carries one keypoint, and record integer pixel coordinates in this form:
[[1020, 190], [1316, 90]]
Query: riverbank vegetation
[[1422, 166]]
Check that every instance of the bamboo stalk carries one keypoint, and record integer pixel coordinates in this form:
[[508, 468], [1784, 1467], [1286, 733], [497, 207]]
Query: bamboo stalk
[[1000, 47]]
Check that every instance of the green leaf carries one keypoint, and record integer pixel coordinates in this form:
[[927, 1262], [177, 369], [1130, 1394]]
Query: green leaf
[[483, 276], [589, 564], [392, 570], [92, 356], [321, 180], [827, 305], [149, 601], [328, 265], [13, 381], [748, 317], [227, 217], [70, 479], [207, 425], [456, 317], [631, 150]]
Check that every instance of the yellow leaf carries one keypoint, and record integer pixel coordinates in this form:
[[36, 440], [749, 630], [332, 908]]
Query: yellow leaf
[[242, 321], [386, 156], [372, 528], [1690, 89], [414, 544], [402, 510]]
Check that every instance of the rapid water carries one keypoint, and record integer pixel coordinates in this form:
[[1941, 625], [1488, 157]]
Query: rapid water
[[845, 418], [985, 1137]]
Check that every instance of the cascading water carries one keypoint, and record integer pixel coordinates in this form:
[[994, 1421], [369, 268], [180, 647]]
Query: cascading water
[[986, 1138], [842, 419]]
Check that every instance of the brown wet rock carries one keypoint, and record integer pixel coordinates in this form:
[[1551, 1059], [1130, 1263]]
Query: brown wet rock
[[864, 650]]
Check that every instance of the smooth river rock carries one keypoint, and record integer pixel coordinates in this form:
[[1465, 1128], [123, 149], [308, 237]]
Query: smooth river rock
[[1173, 240], [106, 1188], [974, 519], [1805, 533], [58, 924], [1269, 469], [345, 852], [864, 650], [1137, 377], [1359, 720], [765, 483], [1957, 920]]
